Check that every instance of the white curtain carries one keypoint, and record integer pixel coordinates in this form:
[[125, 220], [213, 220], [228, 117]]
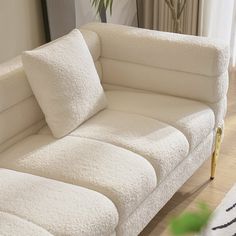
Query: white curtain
[[124, 12], [218, 20]]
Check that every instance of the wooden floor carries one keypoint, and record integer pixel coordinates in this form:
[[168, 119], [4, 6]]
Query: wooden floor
[[198, 187]]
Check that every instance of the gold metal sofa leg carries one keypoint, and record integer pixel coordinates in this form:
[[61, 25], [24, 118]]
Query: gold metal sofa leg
[[215, 154]]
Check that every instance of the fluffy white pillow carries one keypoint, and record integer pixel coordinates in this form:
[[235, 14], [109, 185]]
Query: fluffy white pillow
[[65, 82]]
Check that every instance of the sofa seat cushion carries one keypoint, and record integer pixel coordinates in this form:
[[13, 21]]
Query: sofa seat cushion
[[123, 176], [14, 225], [161, 144], [194, 119], [55, 207]]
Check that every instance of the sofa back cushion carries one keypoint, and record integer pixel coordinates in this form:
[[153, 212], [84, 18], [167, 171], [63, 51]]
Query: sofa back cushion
[[65, 82], [20, 114]]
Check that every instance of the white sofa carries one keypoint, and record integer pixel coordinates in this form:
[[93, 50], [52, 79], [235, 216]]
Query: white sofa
[[166, 98]]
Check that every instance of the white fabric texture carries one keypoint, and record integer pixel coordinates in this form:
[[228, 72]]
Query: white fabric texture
[[220, 109], [161, 195], [14, 88], [18, 118], [98, 66], [156, 141], [93, 42], [59, 208], [182, 84], [17, 100], [65, 82], [194, 119], [13, 225], [33, 129], [128, 159], [198, 55], [124, 177]]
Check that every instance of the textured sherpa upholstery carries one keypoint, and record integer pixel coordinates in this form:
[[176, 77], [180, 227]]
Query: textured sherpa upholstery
[[162, 194], [166, 94], [177, 83], [65, 82], [145, 46], [14, 86], [126, 178], [220, 109], [59, 208], [156, 141], [93, 42], [176, 64], [17, 98], [27, 112], [194, 119], [13, 225]]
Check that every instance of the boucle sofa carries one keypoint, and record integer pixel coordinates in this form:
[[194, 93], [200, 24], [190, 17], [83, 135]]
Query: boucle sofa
[[166, 105]]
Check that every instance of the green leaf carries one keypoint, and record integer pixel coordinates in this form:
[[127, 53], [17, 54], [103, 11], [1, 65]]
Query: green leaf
[[191, 222]]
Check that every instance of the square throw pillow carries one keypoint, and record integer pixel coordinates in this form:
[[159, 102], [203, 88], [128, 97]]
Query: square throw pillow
[[65, 82]]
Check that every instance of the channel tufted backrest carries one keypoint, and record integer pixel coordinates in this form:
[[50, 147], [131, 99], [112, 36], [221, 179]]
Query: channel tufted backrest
[[175, 64]]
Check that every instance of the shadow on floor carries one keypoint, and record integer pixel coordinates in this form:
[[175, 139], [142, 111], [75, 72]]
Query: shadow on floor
[[176, 200]]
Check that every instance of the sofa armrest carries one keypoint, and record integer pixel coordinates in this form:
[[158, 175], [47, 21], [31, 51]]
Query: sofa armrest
[[179, 65]]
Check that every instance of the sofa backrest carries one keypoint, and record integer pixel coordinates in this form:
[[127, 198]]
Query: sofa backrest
[[19, 111], [20, 114]]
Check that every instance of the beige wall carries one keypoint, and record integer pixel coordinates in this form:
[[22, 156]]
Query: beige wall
[[21, 27]]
